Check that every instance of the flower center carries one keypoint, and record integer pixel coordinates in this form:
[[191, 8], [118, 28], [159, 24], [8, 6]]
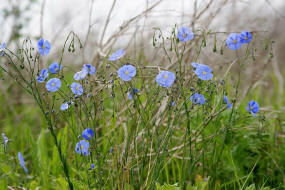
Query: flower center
[[203, 73], [246, 38], [184, 35], [126, 73], [250, 107], [43, 46], [82, 147], [53, 84], [77, 88], [89, 136], [235, 41], [165, 76], [56, 69]]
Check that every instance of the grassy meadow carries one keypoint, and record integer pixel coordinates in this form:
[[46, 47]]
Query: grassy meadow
[[158, 139]]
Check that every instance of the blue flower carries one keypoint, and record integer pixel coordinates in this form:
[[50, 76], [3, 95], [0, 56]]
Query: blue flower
[[253, 107], [82, 147], [227, 102], [165, 78], [43, 46], [90, 69], [53, 84], [76, 88], [185, 34], [42, 76], [203, 72], [111, 150], [195, 65], [22, 162], [197, 99], [5, 140], [2, 47], [245, 37], [80, 75], [117, 55], [64, 106], [92, 166], [234, 41], [54, 68], [126, 72], [172, 103], [133, 91], [87, 134]]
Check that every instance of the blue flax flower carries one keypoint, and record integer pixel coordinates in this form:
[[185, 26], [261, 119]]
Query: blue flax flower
[[82, 147], [64, 106], [2, 47], [54, 68], [253, 107], [42, 76], [133, 92], [226, 100], [172, 103], [22, 162], [234, 41], [165, 78], [195, 65], [87, 134], [90, 69], [197, 99], [92, 166], [5, 140], [80, 75], [43, 46], [76, 88], [127, 72], [203, 72], [245, 37], [53, 84], [117, 55], [185, 34]]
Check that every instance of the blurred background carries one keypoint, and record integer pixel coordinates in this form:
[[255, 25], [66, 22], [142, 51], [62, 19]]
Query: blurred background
[[104, 26]]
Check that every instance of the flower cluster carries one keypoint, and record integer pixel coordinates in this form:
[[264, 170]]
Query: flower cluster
[[87, 69], [82, 147], [52, 84], [235, 41]]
